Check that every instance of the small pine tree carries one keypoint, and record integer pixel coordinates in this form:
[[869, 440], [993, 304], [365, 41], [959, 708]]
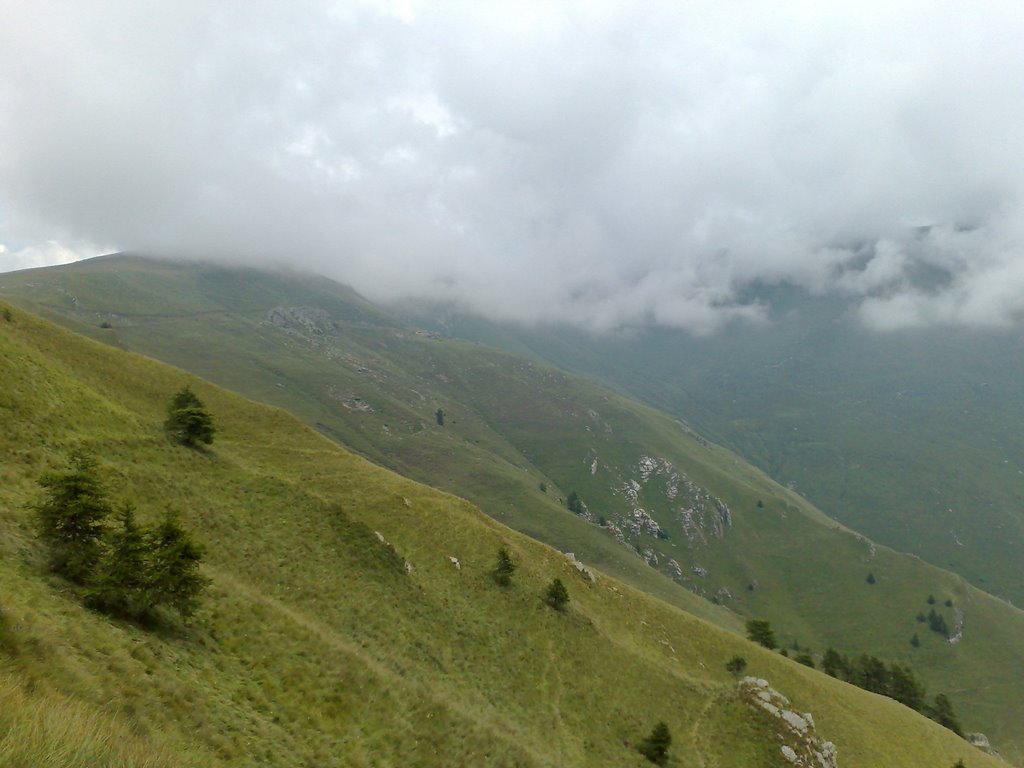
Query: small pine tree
[[760, 631], [736, 665], [8, 317], [556, 595], [543, 487], [833, 664], [439, 417], [655, 747], [804, 658], [188, 422], [905, 687], [147, 568], [949, 603], [937, 623], [871, 578], [121, 585], [174, 558], [573, 503], [915, 641], [931, 599], [71, 519], [942, 713], [504, 568], [870, 673]]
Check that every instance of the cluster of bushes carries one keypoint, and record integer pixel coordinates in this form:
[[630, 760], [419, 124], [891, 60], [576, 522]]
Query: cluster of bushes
[[896, 681], [126, 569]]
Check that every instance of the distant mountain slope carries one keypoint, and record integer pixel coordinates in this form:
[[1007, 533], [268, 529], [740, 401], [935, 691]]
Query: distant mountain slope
[[320, 644], [913, 437], [660, 506]]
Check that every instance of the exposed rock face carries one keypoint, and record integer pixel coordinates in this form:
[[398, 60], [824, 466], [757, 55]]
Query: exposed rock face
[[699, 512], [800, 745], [308, 319]]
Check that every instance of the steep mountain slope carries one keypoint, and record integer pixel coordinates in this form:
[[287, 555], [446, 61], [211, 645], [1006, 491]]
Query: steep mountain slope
[[661, 507], [912, 438], [320, 644]]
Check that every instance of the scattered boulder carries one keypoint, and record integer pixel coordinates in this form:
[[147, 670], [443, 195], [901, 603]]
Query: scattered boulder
[[980, 740], [455, 561]]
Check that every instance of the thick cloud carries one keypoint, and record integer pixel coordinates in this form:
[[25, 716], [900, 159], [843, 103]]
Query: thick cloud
[[607, 165]]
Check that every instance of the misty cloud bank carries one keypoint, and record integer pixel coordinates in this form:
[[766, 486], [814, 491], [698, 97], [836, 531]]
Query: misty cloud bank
[[603, 165]]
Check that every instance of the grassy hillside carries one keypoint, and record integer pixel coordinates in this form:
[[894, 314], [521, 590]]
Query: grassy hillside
[[317, 646], [726, 531], [911, 437]]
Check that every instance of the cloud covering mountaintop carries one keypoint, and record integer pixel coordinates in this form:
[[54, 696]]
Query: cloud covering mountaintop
[[602, 164]]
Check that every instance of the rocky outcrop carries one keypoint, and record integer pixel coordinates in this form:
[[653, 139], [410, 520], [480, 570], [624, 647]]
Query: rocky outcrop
[[699, 513], [310, 320], [800, 744], [583, 570]]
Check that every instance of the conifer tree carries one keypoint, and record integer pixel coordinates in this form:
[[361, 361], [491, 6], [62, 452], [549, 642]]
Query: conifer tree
[[942, 713], [121, 585], [833, 664], [71, 519], [187, 421], [736, 665], [905, 687], [504, 568], [760, 631], [655, 747], [574, 503], [804, 658], [173, 566], [556, 595], [937, 623], [870, 673]]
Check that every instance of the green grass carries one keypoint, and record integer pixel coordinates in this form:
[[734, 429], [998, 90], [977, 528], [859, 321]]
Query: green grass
[[513, 423], [314, 647], [911, 437]]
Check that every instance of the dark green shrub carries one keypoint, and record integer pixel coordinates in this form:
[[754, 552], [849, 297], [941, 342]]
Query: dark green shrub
[[655, 747], [188, 422], [556, 595], [504, 568], [736, 665], [760, 631], [71, 518]]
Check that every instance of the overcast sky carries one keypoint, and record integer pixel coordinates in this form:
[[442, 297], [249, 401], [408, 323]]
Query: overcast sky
[[605, 164]]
